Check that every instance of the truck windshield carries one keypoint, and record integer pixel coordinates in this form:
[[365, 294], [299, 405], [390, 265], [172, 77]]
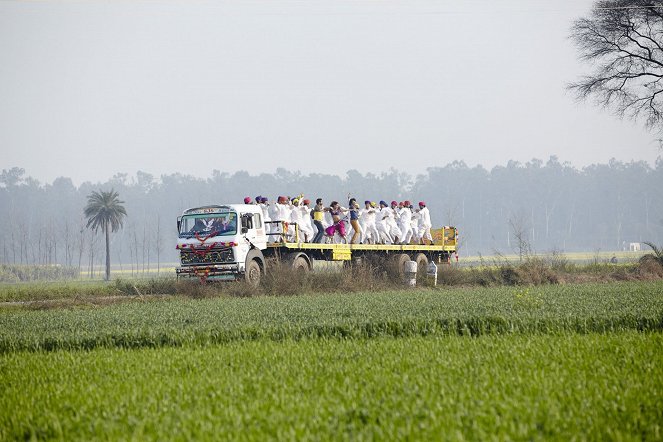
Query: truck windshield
[[209, 224]]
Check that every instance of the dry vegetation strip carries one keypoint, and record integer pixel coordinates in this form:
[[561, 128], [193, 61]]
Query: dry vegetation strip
[[282, 280]]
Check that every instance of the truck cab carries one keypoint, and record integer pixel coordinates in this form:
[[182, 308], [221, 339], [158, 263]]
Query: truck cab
[[221, 242]]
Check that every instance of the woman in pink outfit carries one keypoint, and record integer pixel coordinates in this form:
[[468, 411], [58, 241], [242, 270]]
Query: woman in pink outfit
[[339, 225]]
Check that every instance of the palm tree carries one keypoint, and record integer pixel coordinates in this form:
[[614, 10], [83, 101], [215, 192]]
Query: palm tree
[[105, 210], [656, 256]]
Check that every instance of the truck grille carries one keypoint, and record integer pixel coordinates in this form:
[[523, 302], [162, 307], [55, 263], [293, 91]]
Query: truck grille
[[214, 256]]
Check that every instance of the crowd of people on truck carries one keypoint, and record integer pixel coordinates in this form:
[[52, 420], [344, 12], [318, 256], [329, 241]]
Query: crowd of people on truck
[[381, 223]]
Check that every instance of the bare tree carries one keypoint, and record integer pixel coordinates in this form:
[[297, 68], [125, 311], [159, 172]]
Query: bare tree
[[68, 246], [519, 229], [158, 246], [135, 244], [91, 250], [623, 40], [81, 245]]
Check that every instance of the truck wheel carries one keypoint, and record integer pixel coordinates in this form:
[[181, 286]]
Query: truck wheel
[[300, 264], [398, 263], [253, 273], [422, 263], [297, 261]]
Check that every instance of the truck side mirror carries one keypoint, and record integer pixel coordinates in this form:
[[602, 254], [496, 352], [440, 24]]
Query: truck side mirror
[[179, 223], [245, 229]]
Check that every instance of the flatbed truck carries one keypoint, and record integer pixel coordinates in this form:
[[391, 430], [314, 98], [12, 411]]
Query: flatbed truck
[[232, 241]]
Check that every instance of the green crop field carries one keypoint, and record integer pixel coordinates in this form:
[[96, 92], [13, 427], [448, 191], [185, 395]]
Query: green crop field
[[523, 387], [546, 362], [171, 322]]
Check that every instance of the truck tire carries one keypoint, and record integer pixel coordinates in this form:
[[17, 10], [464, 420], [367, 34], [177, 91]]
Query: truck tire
[[254, 267], [253, 273], [398, 264], [298, 262], [422, 263]]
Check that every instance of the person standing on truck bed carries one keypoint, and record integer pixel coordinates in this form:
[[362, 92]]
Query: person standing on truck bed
[[264, 206], [424, 223], [353, 208], [283, 216], [338, 224], [297, 217], [381, 223], [404, 221], [318, 215], [273, 211], [370, 234], [415, 224], [307, 222], [392, 223]]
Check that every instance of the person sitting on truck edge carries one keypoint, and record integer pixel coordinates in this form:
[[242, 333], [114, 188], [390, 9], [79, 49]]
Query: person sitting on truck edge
[[318, 214], [247, 200], [339, 224], [353, 207]]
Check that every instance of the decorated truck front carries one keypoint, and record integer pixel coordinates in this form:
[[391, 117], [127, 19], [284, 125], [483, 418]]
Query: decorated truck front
[[221, 242]]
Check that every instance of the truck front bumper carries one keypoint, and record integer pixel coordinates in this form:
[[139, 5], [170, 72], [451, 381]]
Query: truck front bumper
[[229, 271]]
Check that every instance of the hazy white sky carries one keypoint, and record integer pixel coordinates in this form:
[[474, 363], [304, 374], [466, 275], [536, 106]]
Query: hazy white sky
[[89, 89]]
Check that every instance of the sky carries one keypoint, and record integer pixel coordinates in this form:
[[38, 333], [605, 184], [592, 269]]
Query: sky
[[89, 89]]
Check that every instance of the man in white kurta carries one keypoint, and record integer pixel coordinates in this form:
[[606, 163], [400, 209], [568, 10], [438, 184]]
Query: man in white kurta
[[383, 215], [424, 223], [300, 216], [392, 223], [404, 221], [370, 234]]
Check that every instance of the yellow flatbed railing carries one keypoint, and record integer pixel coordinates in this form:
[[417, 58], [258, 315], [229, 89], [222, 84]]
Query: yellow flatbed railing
[[350, 247]]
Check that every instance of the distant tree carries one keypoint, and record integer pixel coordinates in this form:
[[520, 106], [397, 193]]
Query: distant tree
[[623, 40], [104, 210], [12, 177]]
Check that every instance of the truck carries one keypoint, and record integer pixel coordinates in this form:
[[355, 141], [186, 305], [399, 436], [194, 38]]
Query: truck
[[233, 241]]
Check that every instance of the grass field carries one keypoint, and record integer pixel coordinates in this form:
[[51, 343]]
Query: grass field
[[474, 311], [516, 387], [573, 361]]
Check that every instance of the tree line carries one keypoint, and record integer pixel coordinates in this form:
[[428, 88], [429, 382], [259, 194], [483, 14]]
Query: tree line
[[551, 205]]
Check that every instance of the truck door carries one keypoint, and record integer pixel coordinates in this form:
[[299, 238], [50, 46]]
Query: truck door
[[254, 229]]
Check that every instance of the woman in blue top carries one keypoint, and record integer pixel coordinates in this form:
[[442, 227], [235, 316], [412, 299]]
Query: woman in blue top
[[354, 220]]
